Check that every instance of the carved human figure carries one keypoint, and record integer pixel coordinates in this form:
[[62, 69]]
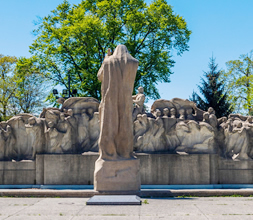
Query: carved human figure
[[189, 115], [90, 112], [35, 136], [206, 117], [2, 144], [69, 142], [17, 132], [11, 151], [117, 74], [237, 141], [168, 122], [94, 131], [181, 114], [54, 138], [212, 118], [166, 113], [83, 131], [138, 101], [173, 113]]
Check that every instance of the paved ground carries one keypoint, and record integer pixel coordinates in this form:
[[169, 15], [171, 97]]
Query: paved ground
[[159, 208]]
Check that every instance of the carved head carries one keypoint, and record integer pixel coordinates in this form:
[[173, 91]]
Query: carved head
[[173, 111], [211, 110], [224, 119], [181, 111], [90, 111], [51, 124], [166, 111], [239, 125], [96, 115], [31, 121], [206, 115], [70, 112], [189, 111], [250, 119], [145, 118], [139, 117], [158, 113], [109, 52], [141, 89], [62, 116]]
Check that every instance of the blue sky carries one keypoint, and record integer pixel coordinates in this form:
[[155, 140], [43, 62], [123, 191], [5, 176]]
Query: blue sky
[[223, 28]]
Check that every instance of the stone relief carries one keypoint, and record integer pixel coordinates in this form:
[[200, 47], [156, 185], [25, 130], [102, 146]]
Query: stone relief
[[175, 126]]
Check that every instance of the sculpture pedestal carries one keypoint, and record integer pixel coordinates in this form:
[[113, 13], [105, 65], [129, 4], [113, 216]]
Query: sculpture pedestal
[[117, 176]]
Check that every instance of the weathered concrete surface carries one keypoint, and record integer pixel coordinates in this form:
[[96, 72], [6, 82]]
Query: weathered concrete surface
[[155, 169], [122, 176], [69, 169], [23, 172], [167, 208], [235, 172]]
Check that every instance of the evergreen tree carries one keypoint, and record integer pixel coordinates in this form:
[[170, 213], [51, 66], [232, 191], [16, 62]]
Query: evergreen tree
[[212, 91]]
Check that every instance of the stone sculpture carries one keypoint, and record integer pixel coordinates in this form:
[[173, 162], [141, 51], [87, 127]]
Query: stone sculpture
[[138, 101], [117, 169]]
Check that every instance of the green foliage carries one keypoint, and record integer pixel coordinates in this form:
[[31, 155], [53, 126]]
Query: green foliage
[[30, 86], [77, 37], [212, 90], [239, 83], [7, 84]]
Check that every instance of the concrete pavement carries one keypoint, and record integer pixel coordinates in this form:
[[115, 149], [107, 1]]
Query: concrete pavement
[[158, 208]]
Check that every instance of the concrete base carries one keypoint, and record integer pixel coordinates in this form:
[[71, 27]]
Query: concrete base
[[113, 176], [114, 200]]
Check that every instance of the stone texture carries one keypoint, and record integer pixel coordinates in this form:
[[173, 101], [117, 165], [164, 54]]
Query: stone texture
[[117, 75], [194, 169], [111, 176], [69, 169], [117, 169], [155, 169], [14, 173]]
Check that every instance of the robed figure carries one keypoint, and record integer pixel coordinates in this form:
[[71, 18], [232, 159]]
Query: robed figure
[[117, 75]]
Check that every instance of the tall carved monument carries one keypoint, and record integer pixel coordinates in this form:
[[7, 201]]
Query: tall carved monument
[[116, 168]]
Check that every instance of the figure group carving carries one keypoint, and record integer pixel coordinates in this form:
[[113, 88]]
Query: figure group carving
[[175, 126], [72, 129]]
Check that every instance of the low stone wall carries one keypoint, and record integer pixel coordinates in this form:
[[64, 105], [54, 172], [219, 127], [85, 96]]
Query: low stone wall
[[156, 169]]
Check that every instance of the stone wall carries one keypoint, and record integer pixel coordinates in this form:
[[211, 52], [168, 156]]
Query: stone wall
[[156, 169]]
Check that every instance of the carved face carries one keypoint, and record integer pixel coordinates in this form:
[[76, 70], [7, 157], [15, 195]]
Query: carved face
[[140, 89], [166, 111], [210, 110], [158, 113], [145, 118], [90, 111], [181, 111], [51, 124], [139, 117], [189, 111], [70, 112], [32, 121], [173, 111], [206, 115], [62, 116]]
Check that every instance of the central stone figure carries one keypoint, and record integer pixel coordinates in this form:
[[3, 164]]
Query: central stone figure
[[116, 168]]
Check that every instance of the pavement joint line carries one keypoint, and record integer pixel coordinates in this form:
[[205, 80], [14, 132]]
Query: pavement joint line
[[201, 211]]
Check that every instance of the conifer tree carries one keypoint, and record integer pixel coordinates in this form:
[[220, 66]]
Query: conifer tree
[[212, 91]]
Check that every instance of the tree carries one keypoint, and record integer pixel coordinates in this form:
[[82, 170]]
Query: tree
[[77, 38], [239, 83], [212, 90], [7, 83], [30, 86]]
